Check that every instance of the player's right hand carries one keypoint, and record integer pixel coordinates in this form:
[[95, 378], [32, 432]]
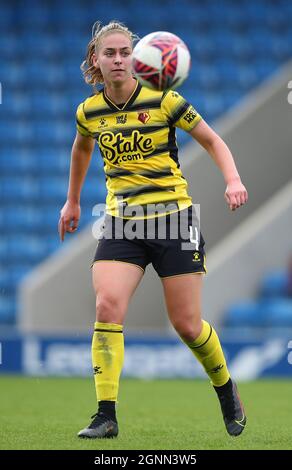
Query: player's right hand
[[69, 219], [236, 194]]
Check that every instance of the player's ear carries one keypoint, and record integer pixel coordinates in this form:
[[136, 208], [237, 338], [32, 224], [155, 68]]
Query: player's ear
[[95, 60]]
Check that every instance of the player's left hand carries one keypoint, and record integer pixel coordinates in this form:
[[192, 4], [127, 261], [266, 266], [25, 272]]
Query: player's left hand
[[236, 194]]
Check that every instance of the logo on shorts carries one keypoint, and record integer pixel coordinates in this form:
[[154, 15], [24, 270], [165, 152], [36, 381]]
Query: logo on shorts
[[196, 257], [97, 370]]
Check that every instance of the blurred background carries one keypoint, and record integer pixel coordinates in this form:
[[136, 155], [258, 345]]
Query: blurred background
[[240, 83]]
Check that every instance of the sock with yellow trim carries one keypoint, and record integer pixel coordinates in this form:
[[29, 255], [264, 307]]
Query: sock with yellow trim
[[207, 349], [107, 359]]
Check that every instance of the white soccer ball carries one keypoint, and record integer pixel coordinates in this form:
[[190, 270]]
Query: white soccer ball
[[161, 60]]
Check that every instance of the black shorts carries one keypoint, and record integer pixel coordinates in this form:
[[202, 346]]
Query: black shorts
[[172, 243]]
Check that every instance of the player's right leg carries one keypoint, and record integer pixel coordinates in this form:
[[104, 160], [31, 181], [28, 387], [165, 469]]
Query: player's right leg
[[114, 283]]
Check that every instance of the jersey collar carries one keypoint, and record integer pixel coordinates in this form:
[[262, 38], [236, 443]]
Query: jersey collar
[[130, 101]]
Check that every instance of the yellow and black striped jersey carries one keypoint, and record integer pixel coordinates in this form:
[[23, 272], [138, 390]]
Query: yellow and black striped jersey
[[138, 144]]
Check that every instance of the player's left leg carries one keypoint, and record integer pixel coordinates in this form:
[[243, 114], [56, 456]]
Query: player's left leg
[[183, 301]]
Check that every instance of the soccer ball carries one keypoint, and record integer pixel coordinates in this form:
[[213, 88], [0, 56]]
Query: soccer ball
[[161, 60]]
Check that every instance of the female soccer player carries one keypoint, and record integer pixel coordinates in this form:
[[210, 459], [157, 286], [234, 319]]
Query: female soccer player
[[135, 131]]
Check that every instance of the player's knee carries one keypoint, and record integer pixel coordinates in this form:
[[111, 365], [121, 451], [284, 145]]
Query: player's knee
[[108, 309], [188, 331]]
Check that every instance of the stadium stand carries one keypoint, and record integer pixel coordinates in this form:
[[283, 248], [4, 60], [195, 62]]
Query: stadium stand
[[272, 308]]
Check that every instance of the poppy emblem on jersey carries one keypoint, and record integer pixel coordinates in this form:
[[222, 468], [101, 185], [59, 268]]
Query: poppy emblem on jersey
[[144, 116]]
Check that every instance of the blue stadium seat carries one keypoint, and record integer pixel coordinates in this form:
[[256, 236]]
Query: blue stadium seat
[[94, 189], [228, 72], [13, 74], [279, 313], [207, 78], [74, 46], [277, 19], [15, 160], [38, 14], [22, 218], [47, 48], [53, 188], [14, 188], [27, 248], [235, 20], [53, 161], [46, 74], [5, 280], [280, 47], [242, 49], [45, 105], [3, 241], [6, 17], [248, 313], [202, 49], [55, 132], [247, 77], [8, 45], [256, 12], [17, 103], [53, 243], [261, 41], [274, 285], [223, 41], [231, 98], [213, 105], [16, 131], [272, 309], [7, 309], [75, 16], [17, 272]]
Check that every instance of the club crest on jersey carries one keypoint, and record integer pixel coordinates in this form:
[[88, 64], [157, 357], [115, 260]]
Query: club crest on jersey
[[144, 116]]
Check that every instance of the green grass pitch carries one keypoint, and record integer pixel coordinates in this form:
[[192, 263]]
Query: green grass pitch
[[46, 413]]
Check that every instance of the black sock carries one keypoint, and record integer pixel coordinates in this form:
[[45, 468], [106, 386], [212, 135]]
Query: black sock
[[108, 408], [224, 388]]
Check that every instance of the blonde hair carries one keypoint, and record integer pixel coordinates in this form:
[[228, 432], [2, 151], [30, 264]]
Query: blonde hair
[[92, 75]]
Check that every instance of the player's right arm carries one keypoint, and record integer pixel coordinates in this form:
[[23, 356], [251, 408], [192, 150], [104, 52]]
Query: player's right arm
[[80, 158]]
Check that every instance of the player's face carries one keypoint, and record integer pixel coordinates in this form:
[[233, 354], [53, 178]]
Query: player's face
[[114, 58]]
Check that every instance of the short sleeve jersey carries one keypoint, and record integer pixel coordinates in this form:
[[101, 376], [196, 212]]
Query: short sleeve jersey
[[137, 142]]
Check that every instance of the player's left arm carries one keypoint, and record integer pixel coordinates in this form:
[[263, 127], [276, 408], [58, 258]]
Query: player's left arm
[[236, 194]]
